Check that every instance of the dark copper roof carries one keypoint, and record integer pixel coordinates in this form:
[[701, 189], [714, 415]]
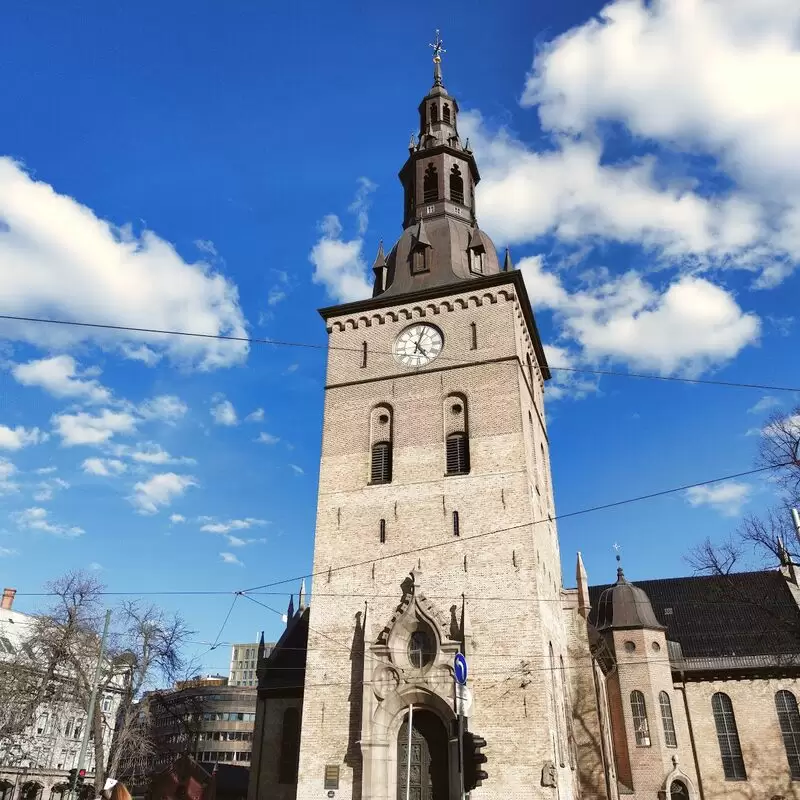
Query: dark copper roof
[[711, 616], [624, 605]]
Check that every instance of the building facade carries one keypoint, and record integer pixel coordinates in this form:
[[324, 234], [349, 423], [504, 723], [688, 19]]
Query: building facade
[[35, 764], [244, 661], [436, 535]]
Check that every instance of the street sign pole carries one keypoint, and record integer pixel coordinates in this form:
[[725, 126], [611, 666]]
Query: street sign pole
[[459, 690]]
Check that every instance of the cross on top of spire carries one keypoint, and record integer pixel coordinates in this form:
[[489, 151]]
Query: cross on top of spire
[[438, 47]]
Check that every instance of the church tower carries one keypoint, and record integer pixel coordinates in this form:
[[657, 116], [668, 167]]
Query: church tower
[[434, 522]]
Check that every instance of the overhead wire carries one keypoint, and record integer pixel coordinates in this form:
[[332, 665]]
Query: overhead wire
[[360, 350]]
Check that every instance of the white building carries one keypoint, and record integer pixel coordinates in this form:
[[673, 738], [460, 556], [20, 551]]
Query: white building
[[35, 765], [244, 660]]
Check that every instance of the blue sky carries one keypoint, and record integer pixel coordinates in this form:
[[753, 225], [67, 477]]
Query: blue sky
[[231, 170]]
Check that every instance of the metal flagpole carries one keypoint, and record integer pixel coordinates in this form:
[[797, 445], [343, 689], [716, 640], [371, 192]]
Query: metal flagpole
[[408, 754]]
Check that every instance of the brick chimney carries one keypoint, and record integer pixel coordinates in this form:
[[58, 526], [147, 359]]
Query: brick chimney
[[8, 599]]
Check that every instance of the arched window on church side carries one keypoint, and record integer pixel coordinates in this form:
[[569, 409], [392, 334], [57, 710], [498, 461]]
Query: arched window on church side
[[380, 436], [434, 113], [456, 185], [430, 184], [789, 719], [446, 113], [290, 747], [641, 728], [456, 432], [670, 739], [730, 749]]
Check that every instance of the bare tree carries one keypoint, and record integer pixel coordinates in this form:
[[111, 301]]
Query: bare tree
[[57, 665]]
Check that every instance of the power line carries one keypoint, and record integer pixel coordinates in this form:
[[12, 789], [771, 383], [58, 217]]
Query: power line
[[557, 517], [311, 346]]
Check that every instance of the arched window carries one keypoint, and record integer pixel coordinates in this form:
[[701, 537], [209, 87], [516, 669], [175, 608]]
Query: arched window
[[640, 727], [430, 184], [730, 749], [678, 791], [473, 330], [456, 433], [456, 185], [789, 719], [670, 739], [477, 260], [290, 747], [446, 113], [380, 438], [434, 113], [381, 463], [421, 648], [418, 259]]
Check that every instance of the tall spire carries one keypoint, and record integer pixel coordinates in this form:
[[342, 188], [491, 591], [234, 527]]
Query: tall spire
[[301, 597], [290, 609], [438, 49]]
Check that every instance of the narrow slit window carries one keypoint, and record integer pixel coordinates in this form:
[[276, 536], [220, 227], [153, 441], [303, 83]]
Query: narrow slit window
[[457, 455], [383, 531], [446, 113], [434, 113], [473, 331], [381, 463], [456, 528], [670, 739], [730, 749], [363, 355]]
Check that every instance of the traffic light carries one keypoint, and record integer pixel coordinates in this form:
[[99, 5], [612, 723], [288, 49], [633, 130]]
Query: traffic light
[[73, 779], [81, 778], [471, 745]]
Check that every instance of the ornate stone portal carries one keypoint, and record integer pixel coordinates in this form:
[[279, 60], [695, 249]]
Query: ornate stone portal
[[410, 661]]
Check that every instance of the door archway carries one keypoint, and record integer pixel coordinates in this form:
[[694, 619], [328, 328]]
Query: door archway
[[429, 758]]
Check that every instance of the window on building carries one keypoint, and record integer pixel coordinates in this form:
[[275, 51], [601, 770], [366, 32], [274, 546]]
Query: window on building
[[421, 648], [382, 531], [290, 747], [107, 703], [730, 749], [477, 260], [473, 332], [640, 727], [419, 259], [363, 355], [456, 185], [456, 526], [446, 113], [670, 739], [381, 463], [789, 719], [434, 112], [457, 453], [430, 184], [41, 724]]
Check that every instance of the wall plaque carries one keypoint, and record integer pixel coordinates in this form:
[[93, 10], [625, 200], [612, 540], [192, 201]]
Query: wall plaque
[[331, 776]]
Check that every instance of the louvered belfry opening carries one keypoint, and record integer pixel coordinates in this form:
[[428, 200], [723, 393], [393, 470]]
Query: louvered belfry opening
[[457, 454], [381, 462]]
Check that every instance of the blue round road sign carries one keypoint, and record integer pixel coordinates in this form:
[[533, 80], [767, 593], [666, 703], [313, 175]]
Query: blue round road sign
[[460, 668]]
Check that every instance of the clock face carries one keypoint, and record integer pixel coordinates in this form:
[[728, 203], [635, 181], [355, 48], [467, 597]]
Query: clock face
[[418, 345]]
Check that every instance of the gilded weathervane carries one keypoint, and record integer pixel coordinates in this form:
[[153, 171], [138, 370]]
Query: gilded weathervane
[[438, 48]]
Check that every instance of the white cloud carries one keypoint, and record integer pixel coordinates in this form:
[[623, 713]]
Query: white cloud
[[297, 470], [60, 376], [766, 403], [165, 408], [95, 566], [255, 416], [152, 453], [713, 78], [46, 470], [224, 413], [685, 327], [267, 438], [7, 472], [230, 558], [566, 383], [292, 368], [276, 295], [8, 551], [46, 489], [142, 352], [103, 466], [83, 428], [236, 541], [232, 525], [159, 490], [58, 259], [19, 437], [36, 519], [339, 264], [176, 519], [726, 498]]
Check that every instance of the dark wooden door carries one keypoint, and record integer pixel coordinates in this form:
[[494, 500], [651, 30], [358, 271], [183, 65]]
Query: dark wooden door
[[428, 758]]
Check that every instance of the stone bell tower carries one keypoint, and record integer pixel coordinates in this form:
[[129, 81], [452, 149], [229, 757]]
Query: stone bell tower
[[434, 521]]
